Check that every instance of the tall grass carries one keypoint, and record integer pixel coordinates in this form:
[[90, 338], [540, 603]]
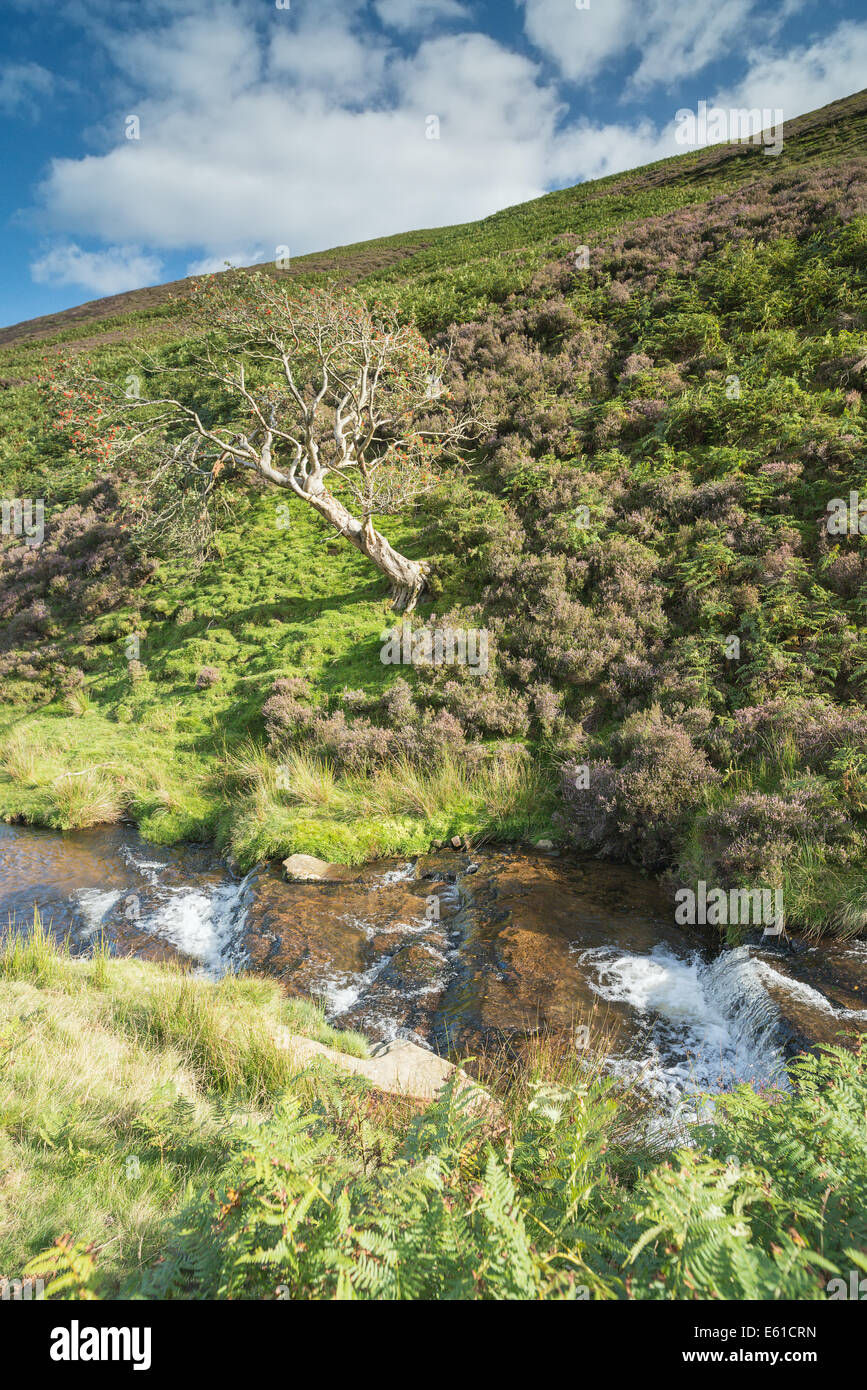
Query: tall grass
[[310, 781], [34, 954], [223, 1035], [825, 899], [20, 757], [302, 803], [404, 789], [123, 1081], [501, 788], [249, 767], [229, 1030], [77, 703], [86, 798]]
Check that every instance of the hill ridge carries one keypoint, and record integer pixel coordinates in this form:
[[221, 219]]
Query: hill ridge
[[353, 261]]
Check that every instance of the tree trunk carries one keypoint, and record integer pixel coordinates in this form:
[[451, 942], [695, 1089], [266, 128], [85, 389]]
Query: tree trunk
[[407, 577]]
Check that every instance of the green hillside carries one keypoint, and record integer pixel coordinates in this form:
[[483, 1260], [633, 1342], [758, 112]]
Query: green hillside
[[643, 536]]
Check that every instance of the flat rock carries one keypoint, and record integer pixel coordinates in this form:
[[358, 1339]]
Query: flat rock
[[400, 1067], [306, 868]]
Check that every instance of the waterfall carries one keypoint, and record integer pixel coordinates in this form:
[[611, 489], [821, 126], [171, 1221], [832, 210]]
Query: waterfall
[[700, 1025]]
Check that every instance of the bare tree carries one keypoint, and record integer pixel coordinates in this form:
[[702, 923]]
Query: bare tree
[[342, 405]]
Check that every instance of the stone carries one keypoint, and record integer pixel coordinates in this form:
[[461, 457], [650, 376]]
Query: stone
[[544, 844], [306, 868], [456, 842], [415, 965], [401, 1068]]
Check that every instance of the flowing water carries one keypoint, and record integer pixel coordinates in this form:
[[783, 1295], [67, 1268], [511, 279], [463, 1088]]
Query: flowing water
[[454, 951]]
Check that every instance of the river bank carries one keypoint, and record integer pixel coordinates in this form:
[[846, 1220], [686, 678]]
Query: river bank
[[152, 1119], [159, 1143]]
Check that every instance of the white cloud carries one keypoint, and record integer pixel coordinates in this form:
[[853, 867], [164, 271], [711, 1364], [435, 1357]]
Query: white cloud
[[581, 42], [290, 161], [323, 53], [806, 77], [201, 59], [210, 265], [311, 131], [23, 86], [419, 14], [682, 39], [111, 271], [675, 38], [593, 151]]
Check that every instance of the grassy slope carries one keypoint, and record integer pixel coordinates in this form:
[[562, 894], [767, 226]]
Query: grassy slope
[[830, 134], [291, 602], [123, 1082], [307, 606]]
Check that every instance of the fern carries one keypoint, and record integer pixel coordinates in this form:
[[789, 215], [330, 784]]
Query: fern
[[769, 1203]]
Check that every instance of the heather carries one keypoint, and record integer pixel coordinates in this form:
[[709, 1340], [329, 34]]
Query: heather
[[677, 674]]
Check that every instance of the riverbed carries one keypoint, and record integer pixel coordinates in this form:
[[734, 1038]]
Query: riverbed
[[458, 951]]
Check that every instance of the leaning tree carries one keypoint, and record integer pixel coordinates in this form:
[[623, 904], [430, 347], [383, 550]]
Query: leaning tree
[[312, 390]]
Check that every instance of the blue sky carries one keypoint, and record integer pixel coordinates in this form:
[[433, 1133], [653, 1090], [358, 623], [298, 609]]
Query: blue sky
[[306, 123]]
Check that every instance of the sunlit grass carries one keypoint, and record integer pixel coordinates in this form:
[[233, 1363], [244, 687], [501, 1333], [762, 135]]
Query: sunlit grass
[[22, 758], [124, 1080], [86, 798], [301, 804]]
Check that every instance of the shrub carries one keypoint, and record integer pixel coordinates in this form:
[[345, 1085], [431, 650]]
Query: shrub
[[82, 799], [790, 732], [285, 712], [639, 810], [756, 835], [768, 1203], [399, 705]]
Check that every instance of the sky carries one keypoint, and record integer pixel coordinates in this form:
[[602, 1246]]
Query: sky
[[145, 140]]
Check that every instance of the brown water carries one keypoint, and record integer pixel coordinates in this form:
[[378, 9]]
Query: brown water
[[453, 951]]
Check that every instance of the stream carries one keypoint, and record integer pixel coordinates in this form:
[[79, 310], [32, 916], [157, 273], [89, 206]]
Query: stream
[[455, 951]]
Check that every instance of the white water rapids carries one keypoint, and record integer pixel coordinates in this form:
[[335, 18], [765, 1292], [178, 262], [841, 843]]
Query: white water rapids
[[203, 922], [708, 1025]]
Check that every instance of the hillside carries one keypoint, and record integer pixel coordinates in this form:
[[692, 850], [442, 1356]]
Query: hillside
[[643, 536], [835, 130]]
